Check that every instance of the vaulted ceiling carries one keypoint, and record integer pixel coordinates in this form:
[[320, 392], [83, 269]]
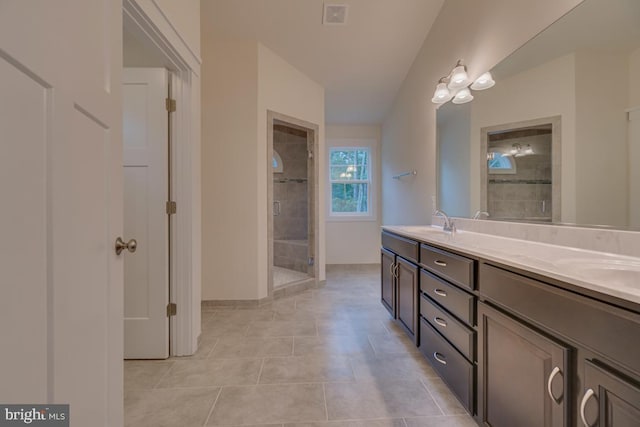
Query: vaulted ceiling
[[361, 64]]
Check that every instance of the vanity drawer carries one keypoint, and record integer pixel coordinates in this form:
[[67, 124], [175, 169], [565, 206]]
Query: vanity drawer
[[452, 267], [406, 248], [454, 299], [594, 324], [458, 334], [452, 367]]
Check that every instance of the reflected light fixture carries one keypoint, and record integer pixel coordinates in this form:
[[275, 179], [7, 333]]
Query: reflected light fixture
[[455, 86]]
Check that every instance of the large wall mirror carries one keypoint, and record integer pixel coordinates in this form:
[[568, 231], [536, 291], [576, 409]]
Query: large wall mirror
[[557, 139]]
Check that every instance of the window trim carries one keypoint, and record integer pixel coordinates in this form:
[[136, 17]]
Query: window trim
[[353, 144]]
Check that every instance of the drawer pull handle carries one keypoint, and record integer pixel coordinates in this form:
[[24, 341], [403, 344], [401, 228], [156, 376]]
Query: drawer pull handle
[[440, 292], [587, 395], [440, 358], [440, 263], [440, 321], [554, 372]]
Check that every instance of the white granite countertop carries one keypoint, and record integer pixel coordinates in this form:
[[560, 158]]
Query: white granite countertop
[[609, 274]]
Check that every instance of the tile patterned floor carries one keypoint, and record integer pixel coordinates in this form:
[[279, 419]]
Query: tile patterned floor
[[328, 357]]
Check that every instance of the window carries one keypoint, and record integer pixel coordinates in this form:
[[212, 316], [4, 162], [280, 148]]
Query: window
[[350, 181]]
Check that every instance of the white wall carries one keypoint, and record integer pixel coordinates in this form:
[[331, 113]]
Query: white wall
[[185, 17], [601, 138], [229, 176], [543, 91], [355, 241], [241, 81], [453, 180], [480, 33], [284, 89]]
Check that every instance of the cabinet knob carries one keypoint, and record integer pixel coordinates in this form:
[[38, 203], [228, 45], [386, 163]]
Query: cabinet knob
[[552, 375], [440, 263], [440, 321], [440, 292], [439, 357], [583, 404]]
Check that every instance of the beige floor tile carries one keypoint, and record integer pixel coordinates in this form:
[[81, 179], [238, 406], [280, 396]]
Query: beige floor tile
[[392, 344], [393, 366], [266, 404], [282, 328], [306, 369], [379, 399], [333, 345], [217, 328], [238, 347], [211, 372], [351, 327], [446, 400], [244, 315], [144, 374], [443, 421], [395, 422], [204, 349], [168, 408]]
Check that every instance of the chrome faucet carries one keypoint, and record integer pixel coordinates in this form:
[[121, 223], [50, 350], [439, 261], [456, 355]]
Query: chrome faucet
[[449, 225], [478, 214]]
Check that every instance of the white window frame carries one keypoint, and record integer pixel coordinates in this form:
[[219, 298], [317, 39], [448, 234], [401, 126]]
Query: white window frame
[[372, 200]]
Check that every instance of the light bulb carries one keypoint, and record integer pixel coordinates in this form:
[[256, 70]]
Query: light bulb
[[442, 94], [463, 96], [483, 82], [459, 77]]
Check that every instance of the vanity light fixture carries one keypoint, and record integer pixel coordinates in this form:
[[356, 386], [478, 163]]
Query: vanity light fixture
[[463, 96], [483, 82], [458, 77], [455, 86], [442, 93]]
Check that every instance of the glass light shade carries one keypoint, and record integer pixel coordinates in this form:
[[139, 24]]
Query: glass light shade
[[463, 96], [483, 82], [459, 78], [442, 94]]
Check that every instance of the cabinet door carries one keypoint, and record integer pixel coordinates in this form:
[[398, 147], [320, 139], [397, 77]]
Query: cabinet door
[[608, 400], [407, 299], [387, 281], [523, 375]]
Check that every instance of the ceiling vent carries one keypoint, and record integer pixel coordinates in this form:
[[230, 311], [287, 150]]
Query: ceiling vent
[[335, 14]]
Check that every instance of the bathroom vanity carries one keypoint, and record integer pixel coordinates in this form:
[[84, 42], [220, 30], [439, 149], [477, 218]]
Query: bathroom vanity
[[523, 333]]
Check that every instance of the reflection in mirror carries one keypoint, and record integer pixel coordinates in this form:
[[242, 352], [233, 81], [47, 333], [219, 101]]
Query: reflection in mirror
[[519, 174], [584, 70]]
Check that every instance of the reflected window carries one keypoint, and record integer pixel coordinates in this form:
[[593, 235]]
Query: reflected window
[[499, 163], [277, 162]]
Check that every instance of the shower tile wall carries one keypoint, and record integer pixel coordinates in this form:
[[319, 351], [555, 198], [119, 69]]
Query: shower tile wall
[[292, 223], [526, 194]]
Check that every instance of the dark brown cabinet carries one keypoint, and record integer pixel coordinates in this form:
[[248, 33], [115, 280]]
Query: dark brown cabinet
[[608, 399], [387, 281], [517, 348], [407, 290], [400, 282], [524, 375]]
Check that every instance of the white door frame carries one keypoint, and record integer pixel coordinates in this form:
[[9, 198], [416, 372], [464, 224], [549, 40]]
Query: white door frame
[[147, 20]]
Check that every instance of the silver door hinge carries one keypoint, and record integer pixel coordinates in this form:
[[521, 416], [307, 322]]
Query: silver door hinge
[[171, 105], [172, 208], [172, 309]]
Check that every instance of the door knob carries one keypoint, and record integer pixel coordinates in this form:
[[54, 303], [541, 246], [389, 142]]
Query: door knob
[[131, 245]]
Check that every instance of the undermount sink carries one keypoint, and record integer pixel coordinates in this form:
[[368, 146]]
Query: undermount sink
[[619, 272]]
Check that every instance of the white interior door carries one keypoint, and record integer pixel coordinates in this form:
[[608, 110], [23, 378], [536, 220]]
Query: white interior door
[[61, 190], [146, 283]]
